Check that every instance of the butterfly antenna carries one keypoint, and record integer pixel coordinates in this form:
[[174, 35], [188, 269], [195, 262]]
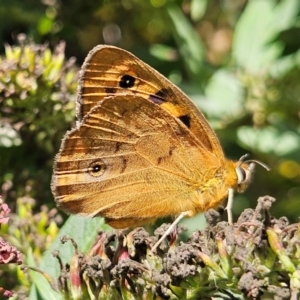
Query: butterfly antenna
[[259, 163], [241, 160]]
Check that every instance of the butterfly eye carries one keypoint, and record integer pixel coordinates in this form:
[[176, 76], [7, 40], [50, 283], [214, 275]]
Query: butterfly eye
[[97, 168], [241, 174], [127, 81]]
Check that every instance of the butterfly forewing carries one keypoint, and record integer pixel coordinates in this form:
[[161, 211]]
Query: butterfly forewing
[[112, 71]]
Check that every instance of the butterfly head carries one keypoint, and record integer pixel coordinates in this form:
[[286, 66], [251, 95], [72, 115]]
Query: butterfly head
[[244, 170]]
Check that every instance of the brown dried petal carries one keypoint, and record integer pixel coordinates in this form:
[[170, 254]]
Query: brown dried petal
[[9, 254]]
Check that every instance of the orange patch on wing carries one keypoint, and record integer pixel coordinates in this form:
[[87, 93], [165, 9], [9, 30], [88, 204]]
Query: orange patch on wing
[[174, 109]]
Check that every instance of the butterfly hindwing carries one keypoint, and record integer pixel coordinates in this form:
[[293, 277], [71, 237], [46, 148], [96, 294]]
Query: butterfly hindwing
[[130, 161]]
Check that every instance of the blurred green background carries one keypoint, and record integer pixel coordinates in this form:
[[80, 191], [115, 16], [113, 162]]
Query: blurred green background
[[239, 61]]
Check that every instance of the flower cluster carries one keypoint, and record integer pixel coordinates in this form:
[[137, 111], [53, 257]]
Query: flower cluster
[[256, 256], [4, 211], [8, 253]]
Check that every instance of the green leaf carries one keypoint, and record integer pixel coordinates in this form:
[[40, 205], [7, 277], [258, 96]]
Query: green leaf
[[42, 288], [82, 230], [198, 8], [163, 52], [194, 223], [265, 139], [285, 64], [254, 45], [285, 14], [224, 96], [189, 44]]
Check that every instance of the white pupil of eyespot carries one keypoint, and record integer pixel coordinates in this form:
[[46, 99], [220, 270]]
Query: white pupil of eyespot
[[96, 168]]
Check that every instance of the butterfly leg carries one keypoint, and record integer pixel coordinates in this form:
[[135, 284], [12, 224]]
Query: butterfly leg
[[229, 205], [172, 226]]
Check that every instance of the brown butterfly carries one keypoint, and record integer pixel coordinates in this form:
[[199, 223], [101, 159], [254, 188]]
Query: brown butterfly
[[141, 150]]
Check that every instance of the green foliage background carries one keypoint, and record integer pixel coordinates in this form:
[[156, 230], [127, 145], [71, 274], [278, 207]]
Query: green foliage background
[[239, 61]]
